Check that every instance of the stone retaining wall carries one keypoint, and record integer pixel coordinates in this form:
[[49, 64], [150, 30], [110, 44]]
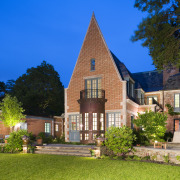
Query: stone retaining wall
[[158, 154]]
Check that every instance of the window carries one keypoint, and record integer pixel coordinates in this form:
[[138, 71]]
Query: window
[[150, 100], [86, 121], [93, 88], [56, 127], [101, 121], [132, 118], [114, 119], [92, 64], [81, 122], [94, 121], [74, 122], [48, 128], [177, 102], [130, 88], [86, 136], [81, 137]]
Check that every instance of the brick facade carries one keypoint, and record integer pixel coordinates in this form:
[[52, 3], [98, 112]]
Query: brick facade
[[116, 81], [35, 125]]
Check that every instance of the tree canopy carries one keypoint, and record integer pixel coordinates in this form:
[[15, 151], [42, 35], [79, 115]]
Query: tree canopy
[[40, 91], [12, 111], [160, 31]]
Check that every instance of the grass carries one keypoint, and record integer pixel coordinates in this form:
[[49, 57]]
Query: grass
[[42, 167]]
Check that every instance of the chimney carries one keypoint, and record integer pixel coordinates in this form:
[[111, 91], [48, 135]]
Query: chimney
[[167, 72]]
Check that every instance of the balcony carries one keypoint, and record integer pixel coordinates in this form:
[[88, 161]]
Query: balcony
[[144, 101], [92, 93]]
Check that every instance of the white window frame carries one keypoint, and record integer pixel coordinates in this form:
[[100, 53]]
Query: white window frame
[[94, 121]]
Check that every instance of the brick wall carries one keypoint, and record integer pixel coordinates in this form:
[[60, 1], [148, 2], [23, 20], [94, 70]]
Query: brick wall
[[94, 47], [3, 130], [169, 99]]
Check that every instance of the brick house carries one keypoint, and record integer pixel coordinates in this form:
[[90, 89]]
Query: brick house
[[102, 92], [35, 124]]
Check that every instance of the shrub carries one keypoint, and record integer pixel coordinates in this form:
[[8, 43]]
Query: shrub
[[153, 124], [140, 138], [15, 141], [119, 140]]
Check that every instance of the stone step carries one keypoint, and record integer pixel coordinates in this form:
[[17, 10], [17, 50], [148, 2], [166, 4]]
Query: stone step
[[173, 145], [68, 150], [64, 150], [62, 147], [64, 153]]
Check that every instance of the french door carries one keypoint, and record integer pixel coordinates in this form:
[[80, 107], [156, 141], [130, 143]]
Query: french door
[[74, 135]]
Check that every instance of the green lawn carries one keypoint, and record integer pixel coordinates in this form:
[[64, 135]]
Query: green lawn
[[34, 166]]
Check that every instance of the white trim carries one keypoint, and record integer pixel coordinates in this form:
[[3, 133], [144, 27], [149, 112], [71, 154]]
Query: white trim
[[177, 90], [132, 112], [132, 103], [95, 76], [66, 116], [72, 113], [153, 92], [115, 110], [124, 105]]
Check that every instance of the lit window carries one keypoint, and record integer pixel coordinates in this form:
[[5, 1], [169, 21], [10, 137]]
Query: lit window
[[86, 121], [94, 121], [74, 122], [151, 99], [86, 136], [177, 102], [114, 119], [117, 120], [57, 127], [80, 122], [48, 128], [101, 121], [92, 64]]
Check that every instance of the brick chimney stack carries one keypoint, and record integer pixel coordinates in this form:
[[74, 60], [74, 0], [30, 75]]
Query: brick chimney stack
[[169, 72]]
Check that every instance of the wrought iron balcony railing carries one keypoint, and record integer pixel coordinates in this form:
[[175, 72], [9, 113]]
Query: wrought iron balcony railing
[[92, 93]]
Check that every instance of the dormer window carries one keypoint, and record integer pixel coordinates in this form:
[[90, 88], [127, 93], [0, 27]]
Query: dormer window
[[92, 64]]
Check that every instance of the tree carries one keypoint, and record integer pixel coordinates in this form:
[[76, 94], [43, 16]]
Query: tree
[[160, 31], [153, 124], [41, 91], [12, 112], [119, 140], [6, 88]]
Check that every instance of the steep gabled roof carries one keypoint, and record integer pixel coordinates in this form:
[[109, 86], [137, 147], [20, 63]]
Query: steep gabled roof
[[149, 80], [123, 71]]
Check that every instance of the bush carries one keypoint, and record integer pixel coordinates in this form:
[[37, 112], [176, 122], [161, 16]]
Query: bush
[[119, 140], [153, 124], [15, 141], [140, 138]]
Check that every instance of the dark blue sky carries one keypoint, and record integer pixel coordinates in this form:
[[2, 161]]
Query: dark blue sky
[[53, 30]]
